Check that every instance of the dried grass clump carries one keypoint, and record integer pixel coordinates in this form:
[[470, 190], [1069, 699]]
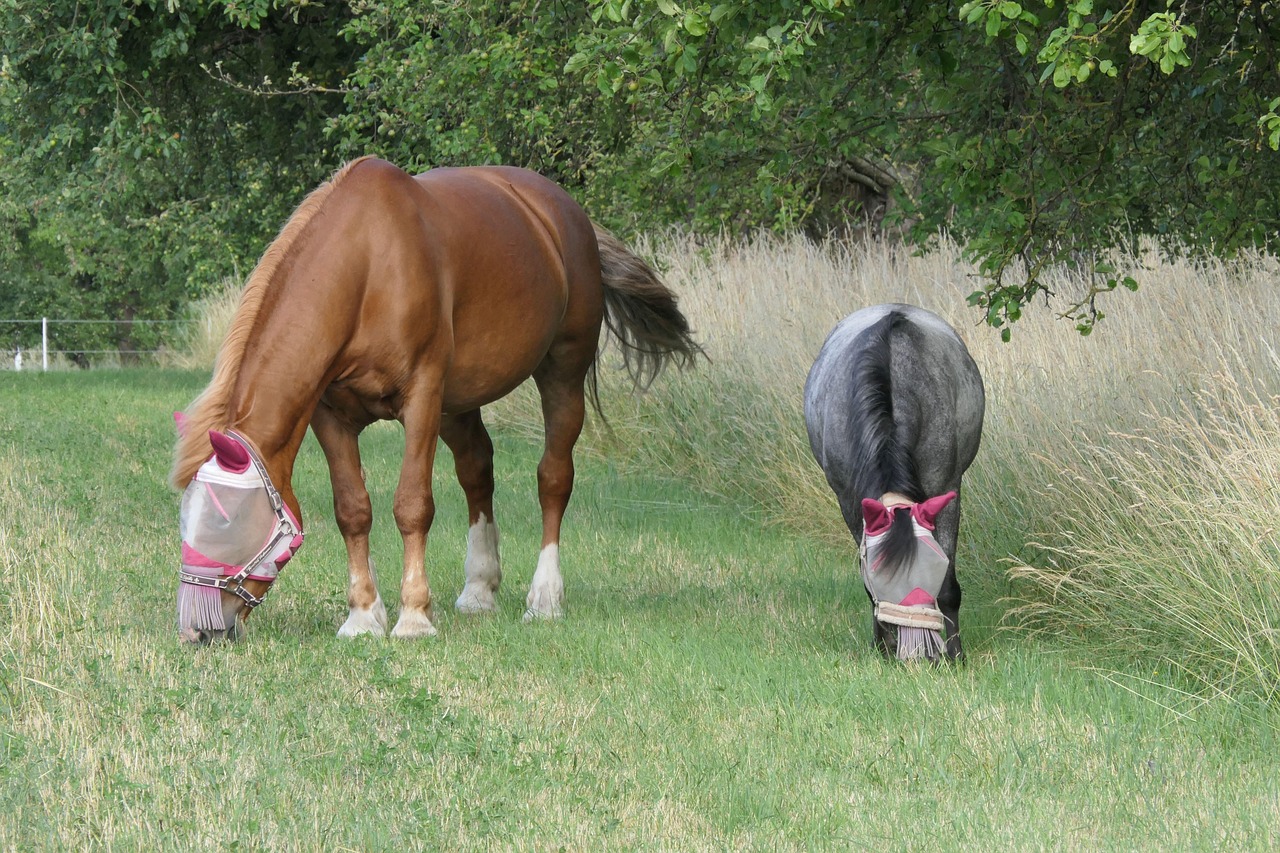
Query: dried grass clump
[[211, 317], [1164, 541]]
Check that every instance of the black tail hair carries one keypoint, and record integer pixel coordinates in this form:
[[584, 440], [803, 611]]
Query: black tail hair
[[641, 313], [883, 463]]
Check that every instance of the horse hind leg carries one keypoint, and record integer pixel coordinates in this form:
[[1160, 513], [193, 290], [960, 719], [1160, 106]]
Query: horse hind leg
[[563, 412], [354, 515], [472, 450]]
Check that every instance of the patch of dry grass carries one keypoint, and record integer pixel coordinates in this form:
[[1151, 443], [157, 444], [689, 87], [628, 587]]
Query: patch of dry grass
[[1112, 466], [212, 317], [44, 604], [1165, 540]]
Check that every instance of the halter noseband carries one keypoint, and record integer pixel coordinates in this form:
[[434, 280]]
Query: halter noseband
[[284, 529]]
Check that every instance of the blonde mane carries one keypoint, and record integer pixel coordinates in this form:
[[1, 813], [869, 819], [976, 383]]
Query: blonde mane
[[210, 410]]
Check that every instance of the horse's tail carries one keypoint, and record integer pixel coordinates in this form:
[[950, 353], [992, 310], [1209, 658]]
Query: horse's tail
[[641, 313], [884, 462]]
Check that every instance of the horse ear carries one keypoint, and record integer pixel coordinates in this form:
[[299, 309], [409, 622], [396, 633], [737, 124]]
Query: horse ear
[[876, 517], [231, 454], [180, 421], [927, 512]]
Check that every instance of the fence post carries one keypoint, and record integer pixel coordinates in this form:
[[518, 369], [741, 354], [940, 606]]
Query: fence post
[[44, 342]]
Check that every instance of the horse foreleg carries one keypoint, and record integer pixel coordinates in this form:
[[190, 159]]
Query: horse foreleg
[[354, 514], [473, 463], [949, 604], [884, 638], [948, 534], [415, 507], [563, 411]]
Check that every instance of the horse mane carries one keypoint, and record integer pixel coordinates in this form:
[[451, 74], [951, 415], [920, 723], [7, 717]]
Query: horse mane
[[882, 464], [211, 409]]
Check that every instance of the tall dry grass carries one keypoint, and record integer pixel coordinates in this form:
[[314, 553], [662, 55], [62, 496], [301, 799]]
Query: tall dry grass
[[761, 310], [1122, 498], [1123, 495], [1163, 541], [211, 317]]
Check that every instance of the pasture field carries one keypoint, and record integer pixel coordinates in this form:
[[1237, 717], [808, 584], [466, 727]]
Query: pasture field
[[712, 685]]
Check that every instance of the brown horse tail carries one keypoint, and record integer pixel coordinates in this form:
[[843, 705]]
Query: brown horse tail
[[641, 313]]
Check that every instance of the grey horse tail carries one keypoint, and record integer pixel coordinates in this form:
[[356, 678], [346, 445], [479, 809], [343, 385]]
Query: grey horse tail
[[884, 463], [642, 315]]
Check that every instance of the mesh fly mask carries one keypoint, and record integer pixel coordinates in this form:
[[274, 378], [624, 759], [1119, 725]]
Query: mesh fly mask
[[235, 527], [905, 594]]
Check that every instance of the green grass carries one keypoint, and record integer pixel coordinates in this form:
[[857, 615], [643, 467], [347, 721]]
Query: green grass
[[711, 687]]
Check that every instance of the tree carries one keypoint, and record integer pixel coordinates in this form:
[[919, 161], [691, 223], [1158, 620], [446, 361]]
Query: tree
[[151, 147], [1039, 133], [459, 83], [1143, 120], [134, 178]]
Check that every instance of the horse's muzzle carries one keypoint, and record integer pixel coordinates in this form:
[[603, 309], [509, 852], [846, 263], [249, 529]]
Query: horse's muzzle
[[208, 636]]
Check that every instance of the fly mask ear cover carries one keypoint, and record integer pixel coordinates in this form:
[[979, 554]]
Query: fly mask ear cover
[[905, 594], [235, 526]]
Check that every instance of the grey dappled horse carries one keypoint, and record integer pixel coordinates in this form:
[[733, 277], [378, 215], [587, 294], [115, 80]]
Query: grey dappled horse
[[894, 406]]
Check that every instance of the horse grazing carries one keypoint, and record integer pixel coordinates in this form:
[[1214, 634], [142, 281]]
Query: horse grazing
[[419, 299], [894, 406]]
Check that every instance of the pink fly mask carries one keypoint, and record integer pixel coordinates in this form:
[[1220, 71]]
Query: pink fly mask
[[235, 527], [904, 576]]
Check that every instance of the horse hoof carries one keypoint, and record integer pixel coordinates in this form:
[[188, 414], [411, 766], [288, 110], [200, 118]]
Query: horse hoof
[[476, 598], [546, 593], [412, 625], [545, 612], [361, 622]]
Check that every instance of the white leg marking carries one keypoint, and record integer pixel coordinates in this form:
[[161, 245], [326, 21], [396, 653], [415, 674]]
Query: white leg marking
[[413, 624], [483, 569], [366, 621], [546, 593], [372, 620]]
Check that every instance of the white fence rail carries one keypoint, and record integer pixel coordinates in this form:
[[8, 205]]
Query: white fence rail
[[20, 359]]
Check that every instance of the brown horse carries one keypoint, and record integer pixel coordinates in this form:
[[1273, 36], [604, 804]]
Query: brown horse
[[418, 299]]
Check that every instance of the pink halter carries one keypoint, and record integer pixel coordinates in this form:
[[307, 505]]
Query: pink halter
[[234, 469]]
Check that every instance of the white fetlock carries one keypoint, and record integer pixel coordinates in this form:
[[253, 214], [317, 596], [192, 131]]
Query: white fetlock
[[361, 621], [413, 624], [482, 569], [546, 592]]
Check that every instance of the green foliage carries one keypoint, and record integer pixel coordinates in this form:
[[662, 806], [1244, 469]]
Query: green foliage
[[1269, 124], [149, 149], [134, 178], [1034, 131], [736, 105], [449, 83], [1094, 163]]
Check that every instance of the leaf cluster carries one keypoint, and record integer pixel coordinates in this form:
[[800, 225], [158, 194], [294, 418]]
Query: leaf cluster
[[149, 148], [134, 179]]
